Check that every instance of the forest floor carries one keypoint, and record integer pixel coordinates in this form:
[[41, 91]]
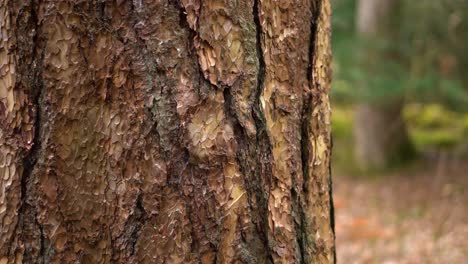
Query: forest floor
[[407, 217]]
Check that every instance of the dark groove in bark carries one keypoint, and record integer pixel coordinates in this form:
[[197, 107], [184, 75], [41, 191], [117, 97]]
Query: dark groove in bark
[[245, 156], [187, 198], [250, 163], [27, 207], [263, 145], [230, 112], [194, 246], [166, 124], [101, 8], [306, 119], [308, 105], [135, 223], [332, 206], [297, 211], [42, 253]]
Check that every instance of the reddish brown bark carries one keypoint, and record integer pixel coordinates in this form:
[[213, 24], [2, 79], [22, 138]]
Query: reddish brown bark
[[165, 132]]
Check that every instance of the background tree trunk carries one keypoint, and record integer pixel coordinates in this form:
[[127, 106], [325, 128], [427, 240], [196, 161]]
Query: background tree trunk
[[380, 133], [152, 131]]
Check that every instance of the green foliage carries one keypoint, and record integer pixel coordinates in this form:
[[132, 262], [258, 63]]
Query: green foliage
[[342, 125], [440, 138], [343, 156], [430, 126], [433, 126], [342, 122], [431, 116], [423, 59]]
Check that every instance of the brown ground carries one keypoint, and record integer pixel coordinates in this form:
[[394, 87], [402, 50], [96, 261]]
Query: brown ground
[[405, 218]]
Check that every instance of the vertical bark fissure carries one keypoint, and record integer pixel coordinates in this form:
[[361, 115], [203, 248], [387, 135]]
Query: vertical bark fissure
[[38, 87], [330, 192], [263, 142], [42, 252], [301, 227], [174, 153], [137, 219], [194, 245], [314, 127], [31, 157], [251, 151], [135, 223], [308, 105]]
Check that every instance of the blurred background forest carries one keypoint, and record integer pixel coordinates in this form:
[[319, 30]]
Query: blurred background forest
[[400, 130]]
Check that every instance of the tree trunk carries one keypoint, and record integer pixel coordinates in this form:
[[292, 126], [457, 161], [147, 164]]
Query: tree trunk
[[380, 133], [152, 131]]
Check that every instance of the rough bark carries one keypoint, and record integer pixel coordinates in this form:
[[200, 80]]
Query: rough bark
[[380, 133], [152, 131]]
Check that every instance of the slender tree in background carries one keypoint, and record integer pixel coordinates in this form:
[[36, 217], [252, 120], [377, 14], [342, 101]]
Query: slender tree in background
[[380, 133], [165, 132]]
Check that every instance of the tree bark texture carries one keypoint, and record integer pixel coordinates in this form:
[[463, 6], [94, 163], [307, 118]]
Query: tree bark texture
[[380, 133], [159, 131]]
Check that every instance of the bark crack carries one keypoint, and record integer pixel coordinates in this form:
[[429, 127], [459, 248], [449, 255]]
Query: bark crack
[[263, 144], [42, 241], [308, 99], [27, 207], [179, 151], [330, 192], [135, 223]]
